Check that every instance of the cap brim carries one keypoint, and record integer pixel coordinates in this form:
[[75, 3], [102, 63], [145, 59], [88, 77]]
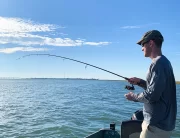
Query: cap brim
[[139, 42]]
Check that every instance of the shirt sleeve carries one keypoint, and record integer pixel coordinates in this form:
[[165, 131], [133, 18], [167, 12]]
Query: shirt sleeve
[[155, 87], [142, 84]]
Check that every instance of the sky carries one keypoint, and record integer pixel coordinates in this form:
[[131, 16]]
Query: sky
[[98, 32]]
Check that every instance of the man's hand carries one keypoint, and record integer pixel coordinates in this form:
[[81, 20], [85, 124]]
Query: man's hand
[[129, 96], [134, 80]]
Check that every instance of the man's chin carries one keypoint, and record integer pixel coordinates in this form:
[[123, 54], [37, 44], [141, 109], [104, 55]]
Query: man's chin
[[146, 55]]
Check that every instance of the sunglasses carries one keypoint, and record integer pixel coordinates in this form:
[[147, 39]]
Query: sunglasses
[[144, 43]]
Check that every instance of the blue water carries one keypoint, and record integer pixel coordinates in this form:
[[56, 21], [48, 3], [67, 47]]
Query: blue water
[[51, 108]]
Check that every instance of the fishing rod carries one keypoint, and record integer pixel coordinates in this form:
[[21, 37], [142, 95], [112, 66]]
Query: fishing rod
[[126, 87]]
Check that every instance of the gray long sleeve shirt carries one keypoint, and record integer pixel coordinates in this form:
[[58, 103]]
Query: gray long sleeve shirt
[[159, 97]]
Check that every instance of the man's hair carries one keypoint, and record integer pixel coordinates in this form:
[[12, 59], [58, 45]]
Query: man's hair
[[158, 42]]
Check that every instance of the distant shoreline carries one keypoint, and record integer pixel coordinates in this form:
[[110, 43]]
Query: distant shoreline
[[14, 78]]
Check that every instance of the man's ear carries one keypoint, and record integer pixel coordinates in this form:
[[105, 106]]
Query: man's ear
[[151, 43]]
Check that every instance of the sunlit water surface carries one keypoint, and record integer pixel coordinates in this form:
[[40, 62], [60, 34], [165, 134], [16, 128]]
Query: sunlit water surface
[[51, 108]]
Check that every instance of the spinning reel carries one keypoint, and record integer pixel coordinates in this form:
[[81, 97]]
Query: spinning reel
[[129, 87]]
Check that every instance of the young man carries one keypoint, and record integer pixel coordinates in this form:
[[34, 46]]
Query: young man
[[159, 96]]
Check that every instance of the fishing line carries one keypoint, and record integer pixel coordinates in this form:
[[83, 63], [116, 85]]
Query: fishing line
[[87, 64]]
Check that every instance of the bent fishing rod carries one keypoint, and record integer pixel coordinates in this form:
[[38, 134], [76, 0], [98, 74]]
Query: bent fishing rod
[[126, 87]]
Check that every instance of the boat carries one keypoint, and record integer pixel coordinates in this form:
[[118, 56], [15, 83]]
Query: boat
[[129, 128]]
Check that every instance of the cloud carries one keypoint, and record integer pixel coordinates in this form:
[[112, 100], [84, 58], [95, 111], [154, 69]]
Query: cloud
[[18, 31], [96, 43], [8, 25], [138, 26], [30, 40], [16, 49], [130, 27]]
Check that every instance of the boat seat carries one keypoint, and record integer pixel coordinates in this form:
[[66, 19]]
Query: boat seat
[[131, 129]]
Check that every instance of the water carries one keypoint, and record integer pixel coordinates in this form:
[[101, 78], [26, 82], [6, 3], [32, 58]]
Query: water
[[51, 108]]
